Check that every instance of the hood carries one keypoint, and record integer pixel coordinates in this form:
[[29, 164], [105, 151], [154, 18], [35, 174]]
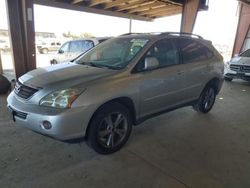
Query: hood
[[64, 74], [240, 60]]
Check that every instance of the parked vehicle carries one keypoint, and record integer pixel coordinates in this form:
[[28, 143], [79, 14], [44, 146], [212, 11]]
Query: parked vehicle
[[45, 47], [238, 67], [117, 84], [71, 49], [4, 45]]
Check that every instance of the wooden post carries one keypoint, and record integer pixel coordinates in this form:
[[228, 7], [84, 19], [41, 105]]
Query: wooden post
[[189, 14], [242, 29], [22, 35], [1, 66]]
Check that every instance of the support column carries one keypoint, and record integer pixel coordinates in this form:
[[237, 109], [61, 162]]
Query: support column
[[243, 26], [189, 14], [22, 35], [1, 66], [130, 25]]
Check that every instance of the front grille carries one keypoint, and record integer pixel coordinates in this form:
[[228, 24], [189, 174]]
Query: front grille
[[240, 68], [19, 114], [24, 91]]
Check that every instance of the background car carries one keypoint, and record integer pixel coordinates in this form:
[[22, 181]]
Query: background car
[[71, 49], [238, 67], [48, 46]]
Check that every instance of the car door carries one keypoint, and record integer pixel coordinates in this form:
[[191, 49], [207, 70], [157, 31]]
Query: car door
[[160, 88], [197, 60]]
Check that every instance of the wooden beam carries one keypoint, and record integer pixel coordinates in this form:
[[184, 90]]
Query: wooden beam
[[189, 14], [90, 10], [22, 35], [146, 7], [75, 2], [97, 2], [166, 13], [115, 3], [132, 5], [160, 9]]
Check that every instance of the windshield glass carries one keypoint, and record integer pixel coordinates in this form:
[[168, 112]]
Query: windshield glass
[[114, 53], [246, 53]]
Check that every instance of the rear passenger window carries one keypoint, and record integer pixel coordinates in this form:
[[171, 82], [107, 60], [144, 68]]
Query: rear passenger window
[[193, 51]]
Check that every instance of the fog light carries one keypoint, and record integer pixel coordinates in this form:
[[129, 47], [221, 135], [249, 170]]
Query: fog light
[[46, 125]]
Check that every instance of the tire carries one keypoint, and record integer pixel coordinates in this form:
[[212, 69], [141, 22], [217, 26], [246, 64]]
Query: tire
[[53, 62], [228, 79], [4, 85], [206, 100], [110, 128]]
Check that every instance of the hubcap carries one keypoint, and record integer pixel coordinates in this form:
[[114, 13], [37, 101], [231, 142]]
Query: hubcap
[[112, 130], [209, 98]]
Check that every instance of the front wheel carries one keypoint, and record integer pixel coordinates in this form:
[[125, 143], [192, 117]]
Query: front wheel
[[110, 128], [206, 100]]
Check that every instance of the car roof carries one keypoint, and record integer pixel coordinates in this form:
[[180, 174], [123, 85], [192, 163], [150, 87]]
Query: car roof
[[156, 35]]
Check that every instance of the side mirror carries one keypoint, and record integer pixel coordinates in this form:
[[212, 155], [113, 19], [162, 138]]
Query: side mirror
[[236, 55], [151, 63], [60, 51]]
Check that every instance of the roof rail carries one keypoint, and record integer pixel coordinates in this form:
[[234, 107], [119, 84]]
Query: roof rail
[[182, 34], [131, 34]]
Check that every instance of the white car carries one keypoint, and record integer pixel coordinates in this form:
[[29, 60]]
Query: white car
[[72, 49], [238, 67]]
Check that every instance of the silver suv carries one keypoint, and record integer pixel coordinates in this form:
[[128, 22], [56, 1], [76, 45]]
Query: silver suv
[[117, 84]]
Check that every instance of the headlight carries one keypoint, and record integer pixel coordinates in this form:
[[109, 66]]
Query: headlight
[[61, 99]]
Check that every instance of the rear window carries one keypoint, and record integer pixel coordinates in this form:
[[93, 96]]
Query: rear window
[[81, 45], [193, 51]]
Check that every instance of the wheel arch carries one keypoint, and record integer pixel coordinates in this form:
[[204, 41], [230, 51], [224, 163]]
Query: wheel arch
[[125, 101], [215, 83]]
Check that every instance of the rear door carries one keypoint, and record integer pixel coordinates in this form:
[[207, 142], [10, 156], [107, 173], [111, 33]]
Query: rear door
[[196, 60]]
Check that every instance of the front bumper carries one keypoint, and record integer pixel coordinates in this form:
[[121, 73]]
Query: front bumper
[[66, 123], [234, 74]]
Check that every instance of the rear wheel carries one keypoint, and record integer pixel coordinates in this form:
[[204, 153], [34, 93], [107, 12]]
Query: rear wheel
[[110, 128], [206, 100]]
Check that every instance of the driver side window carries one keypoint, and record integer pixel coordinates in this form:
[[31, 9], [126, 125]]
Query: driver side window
[[165, 51]]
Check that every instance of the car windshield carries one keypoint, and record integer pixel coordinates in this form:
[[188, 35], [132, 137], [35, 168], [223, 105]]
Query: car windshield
[[115, 53], [245, 53]]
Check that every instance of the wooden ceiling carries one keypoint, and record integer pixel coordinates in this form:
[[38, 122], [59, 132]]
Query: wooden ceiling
[[135, 9]]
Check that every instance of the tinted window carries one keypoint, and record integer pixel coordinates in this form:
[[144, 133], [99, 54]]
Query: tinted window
[[65, 47], [193, 51]]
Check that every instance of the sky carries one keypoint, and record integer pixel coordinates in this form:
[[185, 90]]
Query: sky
[[218, 24]]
